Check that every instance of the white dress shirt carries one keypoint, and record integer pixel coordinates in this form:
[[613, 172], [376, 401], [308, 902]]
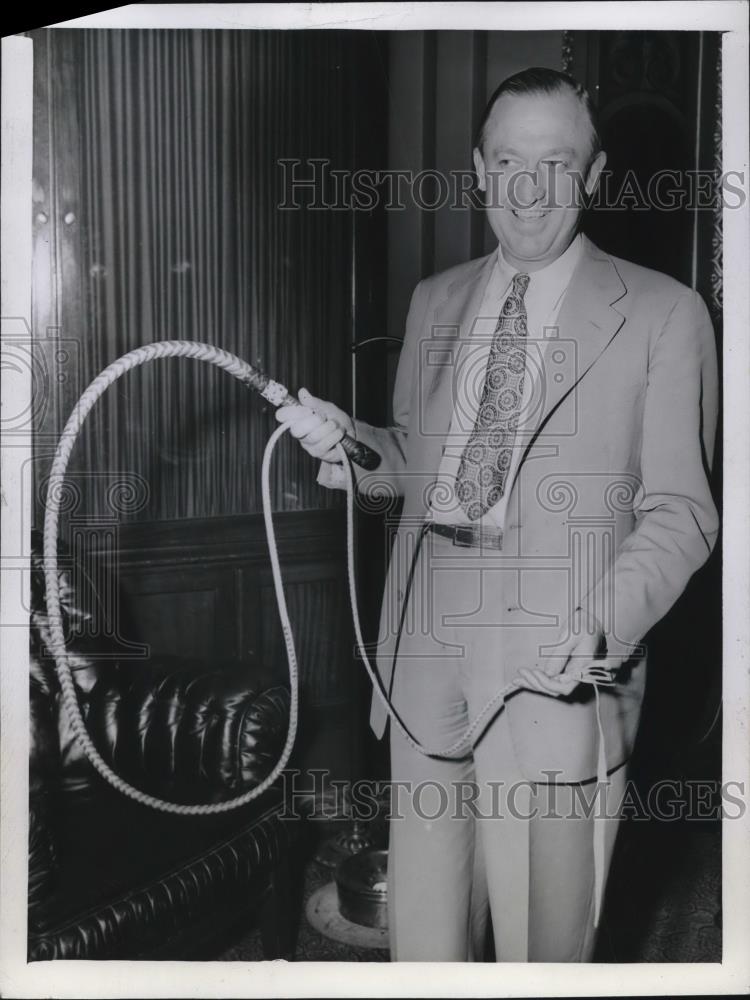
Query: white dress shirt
[[542, 300]]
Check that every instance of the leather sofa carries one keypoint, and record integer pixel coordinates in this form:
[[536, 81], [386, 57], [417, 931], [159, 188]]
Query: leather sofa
[[110, 878]]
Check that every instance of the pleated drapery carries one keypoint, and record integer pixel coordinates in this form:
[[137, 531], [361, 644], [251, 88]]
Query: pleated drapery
[[183, 238]]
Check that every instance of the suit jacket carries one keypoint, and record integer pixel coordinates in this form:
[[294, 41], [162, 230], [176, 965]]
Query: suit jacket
[[609, 508]]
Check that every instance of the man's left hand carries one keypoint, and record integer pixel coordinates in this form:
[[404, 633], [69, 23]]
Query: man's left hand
[[583, 645]]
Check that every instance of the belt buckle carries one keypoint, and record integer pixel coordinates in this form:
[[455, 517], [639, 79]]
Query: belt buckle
[[491, 539], [464, 536]]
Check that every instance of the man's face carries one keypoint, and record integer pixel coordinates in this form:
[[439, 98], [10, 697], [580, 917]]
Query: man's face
[[536, 152]]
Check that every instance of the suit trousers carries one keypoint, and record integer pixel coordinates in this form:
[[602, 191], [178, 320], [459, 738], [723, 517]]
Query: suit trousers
[[469, 838]]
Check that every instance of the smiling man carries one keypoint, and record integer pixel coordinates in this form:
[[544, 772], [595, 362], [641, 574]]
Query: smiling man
[[554, 419]]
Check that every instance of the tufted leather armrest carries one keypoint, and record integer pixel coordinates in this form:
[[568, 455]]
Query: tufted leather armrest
[[184, 732]]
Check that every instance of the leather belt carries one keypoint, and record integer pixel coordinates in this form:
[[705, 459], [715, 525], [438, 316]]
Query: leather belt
[[469, 535]]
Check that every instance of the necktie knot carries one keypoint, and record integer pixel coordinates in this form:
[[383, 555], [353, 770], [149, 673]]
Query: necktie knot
[[520, 284]]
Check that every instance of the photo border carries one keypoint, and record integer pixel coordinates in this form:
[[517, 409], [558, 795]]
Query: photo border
[[233, 979]]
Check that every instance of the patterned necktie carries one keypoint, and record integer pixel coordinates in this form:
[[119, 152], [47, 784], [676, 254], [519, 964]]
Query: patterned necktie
[[483, 469]]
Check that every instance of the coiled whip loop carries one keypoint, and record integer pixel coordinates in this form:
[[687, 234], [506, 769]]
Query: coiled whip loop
[[244, 373]]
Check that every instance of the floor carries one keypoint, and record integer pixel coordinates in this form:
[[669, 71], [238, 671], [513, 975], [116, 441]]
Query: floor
[[664, 895], [663, 902]]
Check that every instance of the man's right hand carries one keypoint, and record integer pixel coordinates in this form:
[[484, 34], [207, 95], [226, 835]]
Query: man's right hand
[[318, 425]]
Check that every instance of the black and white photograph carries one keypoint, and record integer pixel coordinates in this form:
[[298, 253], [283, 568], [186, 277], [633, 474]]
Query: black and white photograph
[[375, 478]]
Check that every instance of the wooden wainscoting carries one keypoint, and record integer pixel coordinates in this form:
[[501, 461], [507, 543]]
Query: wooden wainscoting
[[203, 588]]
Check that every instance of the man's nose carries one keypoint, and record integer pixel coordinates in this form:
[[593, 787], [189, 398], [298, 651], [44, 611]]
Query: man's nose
[[528, 189]]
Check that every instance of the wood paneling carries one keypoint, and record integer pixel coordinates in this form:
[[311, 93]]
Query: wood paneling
[[325, 653], [457, 84], [56, 289], [181, 616], [165, 151]]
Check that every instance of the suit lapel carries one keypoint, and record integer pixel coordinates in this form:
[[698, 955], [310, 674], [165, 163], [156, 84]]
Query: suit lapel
[[452, 323], [586, 324]]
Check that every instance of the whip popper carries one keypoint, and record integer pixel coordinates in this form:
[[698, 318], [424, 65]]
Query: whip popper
[[349, 451]]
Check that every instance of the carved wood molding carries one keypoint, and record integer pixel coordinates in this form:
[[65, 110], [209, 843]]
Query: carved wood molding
[[304, 535], [567, 51], [717, 240]]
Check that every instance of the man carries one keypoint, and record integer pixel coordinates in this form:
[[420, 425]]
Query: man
[[554, 418]]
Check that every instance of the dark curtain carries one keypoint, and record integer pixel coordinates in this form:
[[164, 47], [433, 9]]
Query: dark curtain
[[182, 237]]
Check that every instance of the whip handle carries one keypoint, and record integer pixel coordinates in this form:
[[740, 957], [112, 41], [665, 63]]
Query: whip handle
[[360, 453]]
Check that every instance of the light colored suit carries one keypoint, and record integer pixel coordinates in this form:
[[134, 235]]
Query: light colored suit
[[620, 451], [609, 509]]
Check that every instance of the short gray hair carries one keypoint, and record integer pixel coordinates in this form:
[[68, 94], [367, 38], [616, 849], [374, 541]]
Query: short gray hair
[[540, 80]]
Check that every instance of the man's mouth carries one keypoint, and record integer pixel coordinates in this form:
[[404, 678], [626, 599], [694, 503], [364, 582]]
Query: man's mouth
[[529, 214]]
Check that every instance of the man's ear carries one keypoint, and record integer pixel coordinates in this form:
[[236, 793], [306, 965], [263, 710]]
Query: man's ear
[[595, 168], [479, 167]]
